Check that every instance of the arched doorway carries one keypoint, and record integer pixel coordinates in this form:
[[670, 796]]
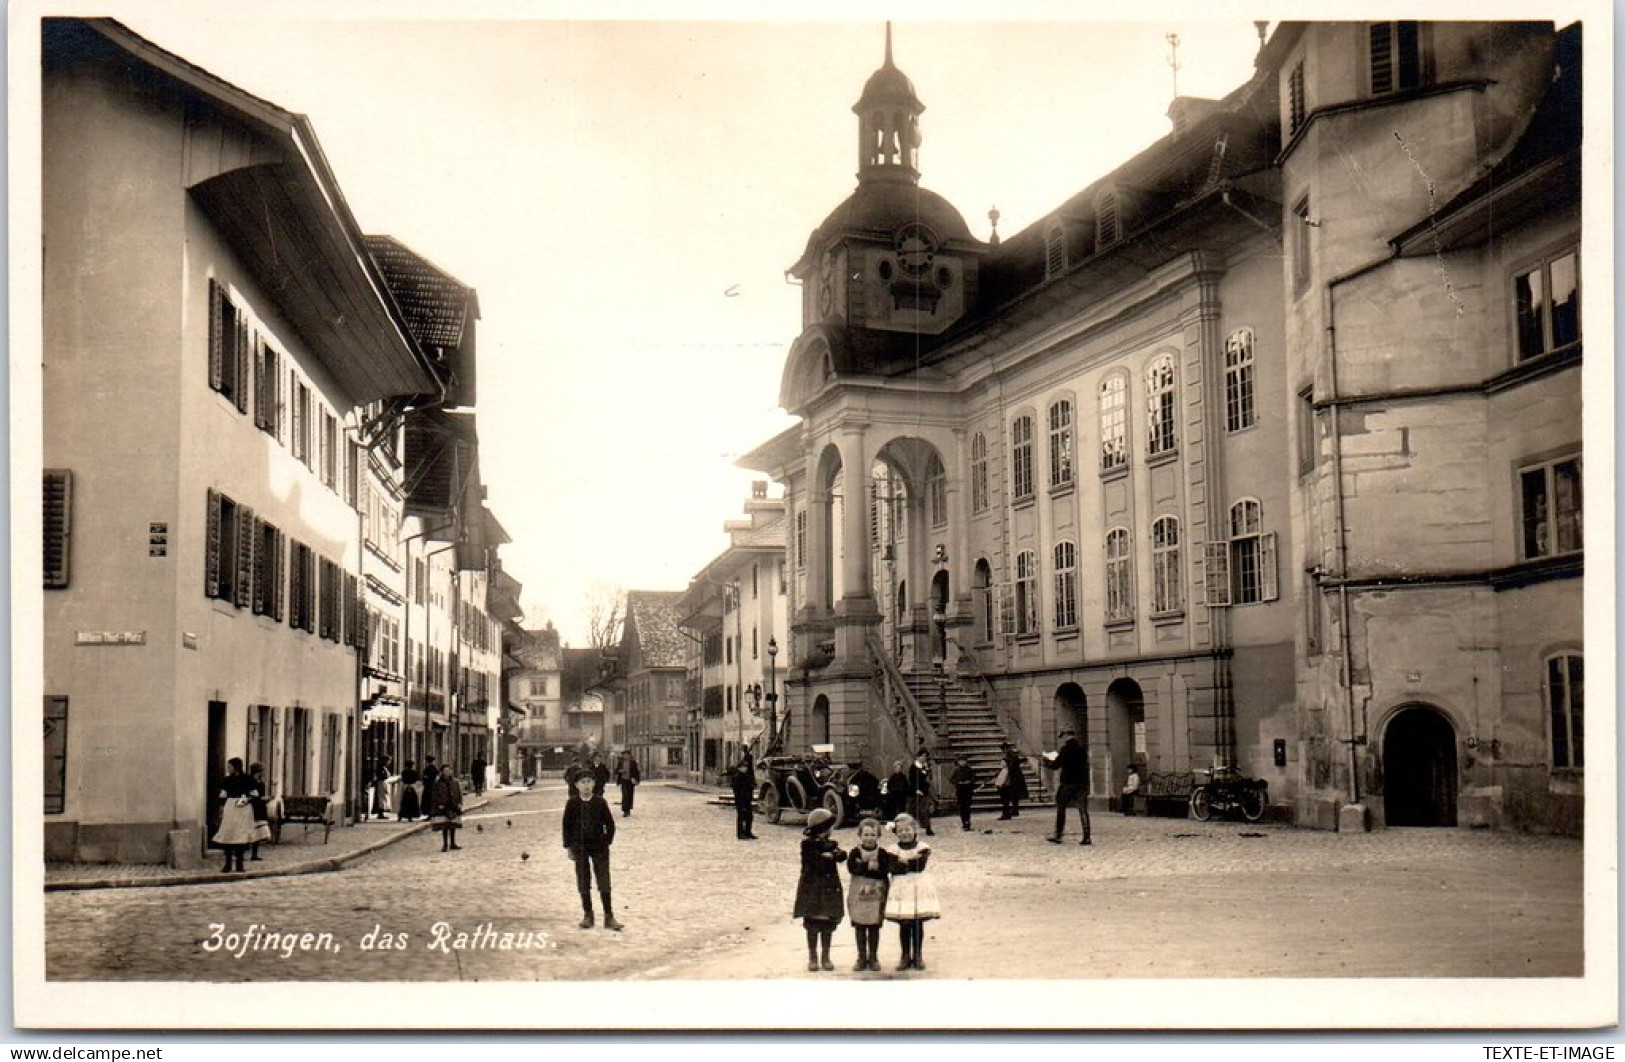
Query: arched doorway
[[984, 601], [819, 734], [1125, 728], [939, 610], [1072, 710], [1419, 768]]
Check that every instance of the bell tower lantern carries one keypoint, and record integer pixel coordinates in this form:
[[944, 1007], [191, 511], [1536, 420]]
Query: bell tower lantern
[[888, 125]]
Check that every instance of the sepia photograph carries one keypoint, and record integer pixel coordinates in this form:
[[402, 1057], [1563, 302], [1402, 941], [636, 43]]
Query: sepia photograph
[[801, 518]]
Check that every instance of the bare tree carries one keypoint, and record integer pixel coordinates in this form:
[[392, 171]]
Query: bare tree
[[606, 614]]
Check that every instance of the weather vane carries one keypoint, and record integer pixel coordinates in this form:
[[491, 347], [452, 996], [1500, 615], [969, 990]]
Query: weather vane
[[1173, 59]]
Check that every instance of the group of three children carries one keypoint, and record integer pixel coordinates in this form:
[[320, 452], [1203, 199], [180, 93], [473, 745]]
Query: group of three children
[[887, 885]]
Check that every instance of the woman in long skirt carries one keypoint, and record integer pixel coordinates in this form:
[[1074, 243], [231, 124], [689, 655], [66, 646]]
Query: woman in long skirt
[[411, 805], [236, 832]]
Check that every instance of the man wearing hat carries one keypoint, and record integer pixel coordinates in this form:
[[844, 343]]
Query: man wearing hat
[[1072, 787]]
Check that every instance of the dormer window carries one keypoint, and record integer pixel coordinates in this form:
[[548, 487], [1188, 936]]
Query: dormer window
[[1054, 250], [1108, 225], [1398, 59]]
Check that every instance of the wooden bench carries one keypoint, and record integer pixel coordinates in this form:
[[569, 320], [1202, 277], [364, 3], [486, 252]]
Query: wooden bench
[[1164, 793], [308, 811]]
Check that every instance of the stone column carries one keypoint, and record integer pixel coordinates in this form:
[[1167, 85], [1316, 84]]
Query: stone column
[[856, 614]]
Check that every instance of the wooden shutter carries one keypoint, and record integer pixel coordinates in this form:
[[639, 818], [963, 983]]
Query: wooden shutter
[[57, 526], [243, 587], [211, 548], [324, 586], [352, 616], [241, 353], [279, 580], [1216, 574], [262, 574], [1268, 579], [217, 345]]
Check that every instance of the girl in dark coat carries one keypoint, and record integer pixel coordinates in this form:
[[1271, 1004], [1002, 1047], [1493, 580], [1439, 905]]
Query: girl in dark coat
[[870, 867], [446, 809], [411, 806], [818, 893]]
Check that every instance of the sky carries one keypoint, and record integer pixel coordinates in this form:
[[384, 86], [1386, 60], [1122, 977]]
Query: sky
[[626, 197]]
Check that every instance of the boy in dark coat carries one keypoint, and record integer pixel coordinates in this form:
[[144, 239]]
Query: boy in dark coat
[[589, 830], [964, 782]]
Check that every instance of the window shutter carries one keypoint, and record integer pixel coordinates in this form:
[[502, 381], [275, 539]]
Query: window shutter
[[262, 392], [262, 573], [324, 592], [352, 619], [1216, 577], [247, 546], [242, 346], [278, 573], [1266, 567], [57, 526], [211, 550], [217, 346]]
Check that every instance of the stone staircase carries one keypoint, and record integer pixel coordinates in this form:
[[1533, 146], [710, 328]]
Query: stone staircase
[[967, 726]]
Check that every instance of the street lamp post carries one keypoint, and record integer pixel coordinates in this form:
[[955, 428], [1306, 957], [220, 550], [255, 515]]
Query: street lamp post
[[772, 694]]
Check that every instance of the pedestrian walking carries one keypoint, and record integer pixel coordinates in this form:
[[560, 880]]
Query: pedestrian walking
[[1072, 787], [411, 793], [446, 808], [236, 831], [258, 802], [818, 891], [919, 785], [897, 791], [600, 773], [627, 776], [965, 784], [476, 774], [743, 780], [589, 830], [870, 868], [1011, 783], [911, 896]]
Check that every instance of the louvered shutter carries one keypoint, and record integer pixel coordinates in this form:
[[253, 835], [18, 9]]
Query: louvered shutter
[[57, 526], [262, 573], [1268, 579], [352, 619], [1216, 575], [278, 573], [217, 345], [241, 351], [324, 590], [211, 549], [243, 587]]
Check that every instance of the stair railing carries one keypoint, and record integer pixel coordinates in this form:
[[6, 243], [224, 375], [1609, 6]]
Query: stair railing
[[971, 668], [902, 707]]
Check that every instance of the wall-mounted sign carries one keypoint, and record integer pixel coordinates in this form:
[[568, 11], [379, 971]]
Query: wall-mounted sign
[[157, 540], [110, 638], [188, 640], [1413, 676]]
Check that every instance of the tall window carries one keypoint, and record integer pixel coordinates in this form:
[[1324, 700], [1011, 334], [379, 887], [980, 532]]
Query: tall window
[[268, 390], [1060, 443], [229, 551], [1548, 302], [1239, 409], [1565, 690], [1552, 509], [1397, 61], [1308, 443], [228, 348], [1021, 460], [1026, 592], [1241, 571], [301, 422], [1165, 568], [1300, 246], [801, 539], [1161, 437], [936, 492], [57, 526], [984, 593], [978, 473], [330, 450], [1114, 423], [1066, 585], [1119, 577]]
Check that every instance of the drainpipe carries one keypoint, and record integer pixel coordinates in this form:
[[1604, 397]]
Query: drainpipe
[[1340, 521]]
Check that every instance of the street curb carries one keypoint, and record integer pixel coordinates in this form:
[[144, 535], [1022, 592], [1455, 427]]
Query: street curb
[[313, 866]]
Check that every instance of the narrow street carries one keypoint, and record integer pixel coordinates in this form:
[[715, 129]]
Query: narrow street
[[1150, 898]]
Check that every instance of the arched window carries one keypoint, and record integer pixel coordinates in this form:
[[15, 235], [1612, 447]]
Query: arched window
[[1060, 443], [978, 473], [1239, 409], [1054, 250], [1021, 457], [1161, 437], [1565, 692], [1108, 223], [1066, 585], [936, 492], [1114, 423], [983, 581], [1165, 588], [1241, 570], [1026, 592], [1119, 577]]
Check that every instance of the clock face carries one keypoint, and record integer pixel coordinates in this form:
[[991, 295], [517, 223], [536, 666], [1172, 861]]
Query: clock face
[[916, 247], [826, 284]]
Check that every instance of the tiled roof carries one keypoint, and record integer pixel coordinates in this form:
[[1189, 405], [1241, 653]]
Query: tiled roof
[[655, 614], [434, 302], [769, 535]]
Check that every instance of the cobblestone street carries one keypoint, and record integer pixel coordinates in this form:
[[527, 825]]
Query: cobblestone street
[[1150, 898]]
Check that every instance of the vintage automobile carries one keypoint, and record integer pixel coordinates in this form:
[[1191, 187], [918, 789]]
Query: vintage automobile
[[802, 783]]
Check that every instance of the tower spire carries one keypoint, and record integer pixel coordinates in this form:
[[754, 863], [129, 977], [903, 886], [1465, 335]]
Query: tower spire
[[888, 124], [888, 42]]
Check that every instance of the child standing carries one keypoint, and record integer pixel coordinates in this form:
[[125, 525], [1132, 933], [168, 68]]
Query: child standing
[[818, 893], [870, 867], [589, 830], [912, 897], [964, 782]]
